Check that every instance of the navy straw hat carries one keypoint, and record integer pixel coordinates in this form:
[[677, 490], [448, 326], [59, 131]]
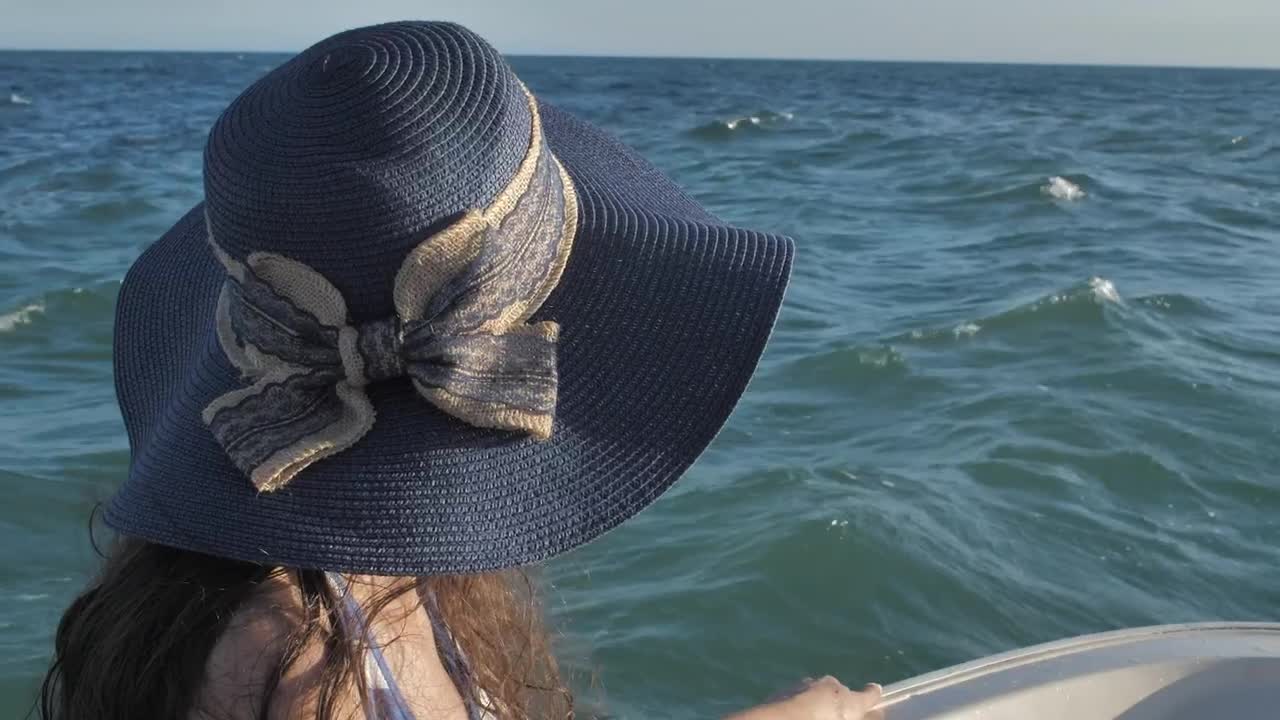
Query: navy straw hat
[[425, 323]]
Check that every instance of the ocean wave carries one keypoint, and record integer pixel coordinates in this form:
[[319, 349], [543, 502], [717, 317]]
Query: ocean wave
[[116, 209], [723, 129], [1177, 304], [1063, 189], [839, 146], [66, 303], [27, 167], [846, 365], [75, 177], [22, 316], [967, 189], [1081, 303]]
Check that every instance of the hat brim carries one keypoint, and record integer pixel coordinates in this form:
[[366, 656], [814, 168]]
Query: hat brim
[[663, 312]]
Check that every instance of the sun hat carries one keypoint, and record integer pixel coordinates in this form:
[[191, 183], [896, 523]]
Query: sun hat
[[424, 322]]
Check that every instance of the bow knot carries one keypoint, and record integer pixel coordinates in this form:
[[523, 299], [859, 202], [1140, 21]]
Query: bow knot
[[372, 351]]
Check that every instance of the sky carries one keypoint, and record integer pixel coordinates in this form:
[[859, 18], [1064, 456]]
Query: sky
[[1239, 33]]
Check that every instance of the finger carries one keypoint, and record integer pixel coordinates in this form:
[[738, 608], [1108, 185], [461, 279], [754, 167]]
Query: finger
[[860, 703], [829, 682]]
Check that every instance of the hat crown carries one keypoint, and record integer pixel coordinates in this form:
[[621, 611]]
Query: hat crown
[[354, 151]]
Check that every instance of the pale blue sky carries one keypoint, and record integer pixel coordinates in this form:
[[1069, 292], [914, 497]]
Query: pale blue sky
[[1180, 32]]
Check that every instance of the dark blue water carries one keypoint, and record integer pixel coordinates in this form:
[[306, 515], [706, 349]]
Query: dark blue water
[[1000, 408]]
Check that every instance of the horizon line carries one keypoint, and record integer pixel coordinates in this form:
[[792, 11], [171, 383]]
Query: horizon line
[[729, 58]]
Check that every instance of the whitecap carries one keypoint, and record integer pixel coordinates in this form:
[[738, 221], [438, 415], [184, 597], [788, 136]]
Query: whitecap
[[1063, 189], [880, 357], [1104, 290], [764, 119], [16, 99], [20, 317], [1238, 139], [966, 329]]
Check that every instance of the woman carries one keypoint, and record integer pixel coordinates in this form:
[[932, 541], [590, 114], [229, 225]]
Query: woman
[[424, 329]]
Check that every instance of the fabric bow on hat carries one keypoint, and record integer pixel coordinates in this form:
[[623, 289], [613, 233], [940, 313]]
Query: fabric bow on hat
[[460, 333]]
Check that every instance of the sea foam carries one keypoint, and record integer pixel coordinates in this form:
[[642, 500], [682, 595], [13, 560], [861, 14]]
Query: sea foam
[[763, 120], [1063, 189], [1104, 290], [20, 317]]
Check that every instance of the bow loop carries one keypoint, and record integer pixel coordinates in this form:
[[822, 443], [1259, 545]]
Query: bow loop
[[487, 380]]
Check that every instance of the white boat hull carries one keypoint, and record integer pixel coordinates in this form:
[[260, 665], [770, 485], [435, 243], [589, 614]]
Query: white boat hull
[[1219, 671]]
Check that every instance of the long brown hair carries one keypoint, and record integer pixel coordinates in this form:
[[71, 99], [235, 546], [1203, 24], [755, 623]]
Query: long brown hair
[[137, 642]]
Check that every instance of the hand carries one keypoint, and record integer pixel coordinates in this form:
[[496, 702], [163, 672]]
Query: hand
[[824, 699]]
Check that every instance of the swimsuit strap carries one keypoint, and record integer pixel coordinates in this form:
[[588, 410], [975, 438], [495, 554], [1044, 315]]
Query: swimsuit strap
[[386, 701], [455, 662]]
